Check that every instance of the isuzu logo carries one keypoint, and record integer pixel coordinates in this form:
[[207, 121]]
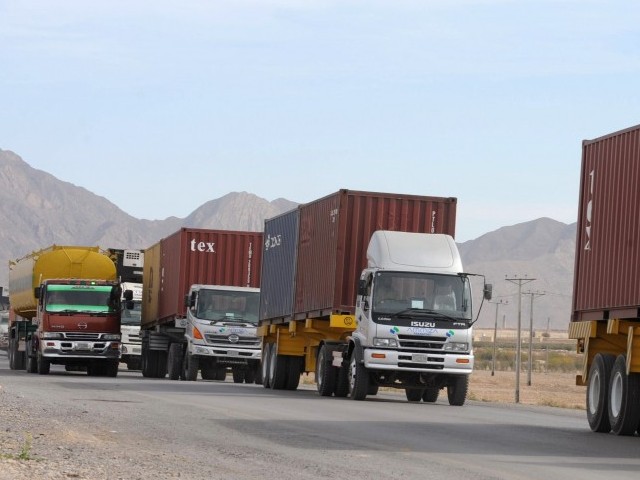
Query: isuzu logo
[[234, 338], [423, 324], [82, 326]]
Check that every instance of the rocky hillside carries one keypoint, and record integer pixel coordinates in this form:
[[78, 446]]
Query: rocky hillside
[[38, 210]]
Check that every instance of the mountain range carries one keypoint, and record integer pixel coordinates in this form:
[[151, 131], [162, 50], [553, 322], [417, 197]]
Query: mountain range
[[38, 210]]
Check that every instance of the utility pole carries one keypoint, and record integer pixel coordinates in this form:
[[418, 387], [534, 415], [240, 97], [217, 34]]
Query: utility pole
[[495, 336], [519, 281], [533, 296]]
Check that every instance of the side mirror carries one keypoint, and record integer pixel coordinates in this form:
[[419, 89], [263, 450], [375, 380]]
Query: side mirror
[[362, 287], [128, 295], [488, 291], [36, 293]]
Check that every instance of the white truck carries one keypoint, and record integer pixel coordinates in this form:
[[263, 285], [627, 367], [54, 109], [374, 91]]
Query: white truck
[[130, 326]]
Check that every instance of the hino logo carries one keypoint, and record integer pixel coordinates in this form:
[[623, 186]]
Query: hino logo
[[424, 324], [209, 247], [82, 326], [234, 338]]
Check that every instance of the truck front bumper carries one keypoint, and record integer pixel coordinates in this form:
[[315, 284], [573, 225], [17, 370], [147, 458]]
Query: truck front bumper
[[131, 350], [451, 363], [234, 355], [80, 349]]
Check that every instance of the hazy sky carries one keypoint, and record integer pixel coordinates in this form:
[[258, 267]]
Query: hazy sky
[[162, 105]]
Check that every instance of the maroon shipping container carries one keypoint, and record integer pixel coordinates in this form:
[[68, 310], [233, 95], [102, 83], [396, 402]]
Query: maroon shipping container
[[607, 262], [334, 234], [196, 256]]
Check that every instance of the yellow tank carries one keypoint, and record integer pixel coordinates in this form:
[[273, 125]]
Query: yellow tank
[[27, 273]]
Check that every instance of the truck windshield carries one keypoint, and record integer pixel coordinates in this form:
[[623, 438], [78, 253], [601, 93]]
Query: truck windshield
[[132, 316], [234, 306], [80, 298], [395, 292]]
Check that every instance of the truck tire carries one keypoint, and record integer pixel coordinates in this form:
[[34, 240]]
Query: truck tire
[[294, 372], [221, 374], [457, 390], [237, 373], [598, 393], [264, 365], [190, 367], [624, 398], [43, 365], [373, 389], [174, 361], [413, 394], [111, 369], [430, 394], [31, 366], [326, 378], [342, 383], [278, 366], [133, 363], [250, 374], [358, 377]]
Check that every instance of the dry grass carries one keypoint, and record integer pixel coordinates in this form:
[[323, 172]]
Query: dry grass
[[550, 389]]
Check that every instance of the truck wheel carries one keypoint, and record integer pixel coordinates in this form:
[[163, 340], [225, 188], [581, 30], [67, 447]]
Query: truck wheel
[[326, 377], [111, 369], [134, 364], [373, 389], [190, 367], [264, 365], [30, 364], [250, 374], [293, 373], [413, 394], [358, 378], [624, 398], [430, 394], [457, 390], [174, 361], [221, 374], [237, 374], [43, 365], [278, 366], [598, 393]]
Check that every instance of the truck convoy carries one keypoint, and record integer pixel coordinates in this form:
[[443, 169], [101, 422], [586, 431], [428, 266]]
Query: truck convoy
[[65, 309], [200, 301], [367, 290], [129, 268], [606, 292]]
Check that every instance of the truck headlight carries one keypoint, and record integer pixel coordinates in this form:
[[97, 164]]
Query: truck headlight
[[111, 336], [385, 342], [52, 335], [456, 347]]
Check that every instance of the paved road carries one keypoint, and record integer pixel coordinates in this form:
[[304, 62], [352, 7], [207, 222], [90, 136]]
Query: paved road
[[251, 432]]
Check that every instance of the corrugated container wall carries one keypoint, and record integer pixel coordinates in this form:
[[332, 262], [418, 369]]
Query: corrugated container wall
[[607, 262], [279, 265], [334, 233], [197, 256]]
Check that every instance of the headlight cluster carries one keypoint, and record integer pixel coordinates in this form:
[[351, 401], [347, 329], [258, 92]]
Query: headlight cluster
[[52, 335], [111, 336], [456, 347], [385, 342]]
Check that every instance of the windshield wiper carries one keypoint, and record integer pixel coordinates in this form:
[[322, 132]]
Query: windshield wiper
[[424, 311]]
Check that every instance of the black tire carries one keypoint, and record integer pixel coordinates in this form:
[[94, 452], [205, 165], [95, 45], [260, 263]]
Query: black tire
[[237, 374], [250, 374], [111, 369], [134, 363], [208, 369], [190, 367], [264, 364], [278, 367], [358, 377], [342, 383], [174, 361], [161, 364], [457, 390], [294, 372], [326, 374], [221, 373], [597, 401], [373, 388], [430, 394], [30, 364], [413, 394], [44, 365], [624, 398]]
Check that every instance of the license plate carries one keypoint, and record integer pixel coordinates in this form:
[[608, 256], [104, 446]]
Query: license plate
[[232, 353], [420, 358], [83, 346]]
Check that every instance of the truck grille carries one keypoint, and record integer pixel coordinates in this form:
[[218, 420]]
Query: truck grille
[[251, 342], [82, 336], [419, 343]]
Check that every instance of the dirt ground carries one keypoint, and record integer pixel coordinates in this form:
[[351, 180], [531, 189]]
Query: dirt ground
[[549, 389]]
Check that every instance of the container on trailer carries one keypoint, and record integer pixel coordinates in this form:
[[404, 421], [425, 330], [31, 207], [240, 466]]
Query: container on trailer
[[607, 260], [196, 256]]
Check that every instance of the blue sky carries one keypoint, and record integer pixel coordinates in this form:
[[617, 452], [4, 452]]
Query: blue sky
[[160, 106]]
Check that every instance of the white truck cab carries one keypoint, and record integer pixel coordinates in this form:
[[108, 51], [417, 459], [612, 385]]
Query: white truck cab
[[131, 347]]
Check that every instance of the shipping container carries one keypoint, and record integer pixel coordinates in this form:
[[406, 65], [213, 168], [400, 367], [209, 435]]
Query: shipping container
[[333, 235], [607, 260], [196, 256]]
